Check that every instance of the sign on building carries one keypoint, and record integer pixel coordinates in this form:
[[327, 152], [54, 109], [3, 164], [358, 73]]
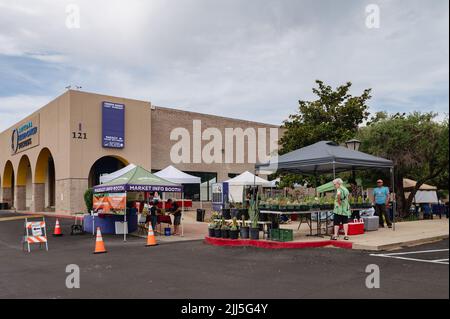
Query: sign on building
[[113, 125], [25, 135]]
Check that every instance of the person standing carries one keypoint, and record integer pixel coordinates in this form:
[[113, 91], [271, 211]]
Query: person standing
[[381, 197], [153, 216], [341, 209], [176, 212]]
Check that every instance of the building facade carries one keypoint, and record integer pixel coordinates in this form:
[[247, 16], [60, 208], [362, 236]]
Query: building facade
[[50, 158]]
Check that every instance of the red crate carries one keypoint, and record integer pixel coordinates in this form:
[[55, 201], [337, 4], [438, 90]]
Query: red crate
[[355, 227]]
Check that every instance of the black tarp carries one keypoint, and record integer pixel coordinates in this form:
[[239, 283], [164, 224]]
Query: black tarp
[[324, 157]]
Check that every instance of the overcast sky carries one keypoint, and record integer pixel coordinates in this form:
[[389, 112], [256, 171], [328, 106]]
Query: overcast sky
[[250, 59]]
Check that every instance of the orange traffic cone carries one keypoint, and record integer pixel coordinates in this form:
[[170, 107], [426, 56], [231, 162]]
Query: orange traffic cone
[[99, 244], [151, 241], [57, 232]]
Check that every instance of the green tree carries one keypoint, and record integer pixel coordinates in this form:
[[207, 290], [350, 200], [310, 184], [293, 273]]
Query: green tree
[[416, 143], [89, 199], [335, 116]]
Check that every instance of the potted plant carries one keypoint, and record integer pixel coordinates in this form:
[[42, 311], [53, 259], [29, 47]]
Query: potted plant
[[367, 203], [217, 230], [275, 206], [225, 230], [296, 204], [327, 203], [244, 230], [290, 206], [234, 230], [254, 217], [358, 203], [315, 203], [211, 228]]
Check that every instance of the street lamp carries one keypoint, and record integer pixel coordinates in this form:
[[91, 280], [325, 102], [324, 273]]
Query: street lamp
[[353, 144]]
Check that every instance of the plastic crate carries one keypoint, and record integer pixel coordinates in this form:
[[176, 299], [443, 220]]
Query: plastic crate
[[275, 234], [282, 235], [286, 235]]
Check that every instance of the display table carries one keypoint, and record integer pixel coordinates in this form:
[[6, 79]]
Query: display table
[[107, 223], [305, 216], [164, 219]]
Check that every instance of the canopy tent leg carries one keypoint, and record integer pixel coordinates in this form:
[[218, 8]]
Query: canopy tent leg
[[394, 199], [125, 230], [334, 170], [182, 214]]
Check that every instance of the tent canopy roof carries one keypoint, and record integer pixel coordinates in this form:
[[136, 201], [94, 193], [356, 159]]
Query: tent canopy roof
[[138, 179], [248, 179], [321, 157], [409, 184], [174, 175], [109, 177]]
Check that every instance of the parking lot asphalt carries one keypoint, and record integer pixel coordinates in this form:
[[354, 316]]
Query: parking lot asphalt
[[196, 270]]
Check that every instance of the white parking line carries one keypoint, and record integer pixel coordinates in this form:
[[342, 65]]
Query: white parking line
[[399, 256], [437, 260]]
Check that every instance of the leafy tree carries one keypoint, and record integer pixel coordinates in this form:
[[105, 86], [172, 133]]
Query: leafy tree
[[416, 143], [88, 199], [335, 115]]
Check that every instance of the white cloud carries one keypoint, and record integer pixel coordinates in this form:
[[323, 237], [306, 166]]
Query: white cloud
[[250, 59], [15, 108]]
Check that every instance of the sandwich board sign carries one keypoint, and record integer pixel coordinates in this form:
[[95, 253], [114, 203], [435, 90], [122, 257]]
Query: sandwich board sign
[[35, 233]]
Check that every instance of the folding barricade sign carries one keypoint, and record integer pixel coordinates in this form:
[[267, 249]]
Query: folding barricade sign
[[35, 233]]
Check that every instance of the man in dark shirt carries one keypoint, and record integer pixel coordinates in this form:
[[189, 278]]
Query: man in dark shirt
[[176, 212], [153, 215]]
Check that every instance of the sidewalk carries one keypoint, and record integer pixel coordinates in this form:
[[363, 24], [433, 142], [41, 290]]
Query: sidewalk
[[405, 234]]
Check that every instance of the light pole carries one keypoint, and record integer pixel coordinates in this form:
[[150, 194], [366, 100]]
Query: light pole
[[353, 145]]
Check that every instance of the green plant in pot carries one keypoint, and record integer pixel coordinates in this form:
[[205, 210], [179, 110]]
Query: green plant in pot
[[211, 227], [244, 230], [367, 203], [253, 211], [225, 230], [218, 230], [359, 202], [234, 229]]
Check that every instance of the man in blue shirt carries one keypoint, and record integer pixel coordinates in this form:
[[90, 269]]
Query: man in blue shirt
[[381, 196]]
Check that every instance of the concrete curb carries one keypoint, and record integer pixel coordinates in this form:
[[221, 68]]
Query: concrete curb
[[46, 214], [400, 244]]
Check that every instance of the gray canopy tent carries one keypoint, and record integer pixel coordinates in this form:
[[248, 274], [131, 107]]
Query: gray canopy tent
[[327, 157]]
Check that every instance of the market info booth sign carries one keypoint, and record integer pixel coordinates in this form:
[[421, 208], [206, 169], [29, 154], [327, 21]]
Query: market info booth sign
[[110, 203], [113, 125], [25, 135]]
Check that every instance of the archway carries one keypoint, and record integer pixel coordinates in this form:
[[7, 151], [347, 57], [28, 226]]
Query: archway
[[105, 165], [8, 184], [24, 184], [44, 182]]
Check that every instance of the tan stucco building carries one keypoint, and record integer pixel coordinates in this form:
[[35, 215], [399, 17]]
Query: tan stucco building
[[50, 158]]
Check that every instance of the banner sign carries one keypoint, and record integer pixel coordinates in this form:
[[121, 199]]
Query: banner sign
[[113, 125], [138, 188], [110, 203], [25, 135]]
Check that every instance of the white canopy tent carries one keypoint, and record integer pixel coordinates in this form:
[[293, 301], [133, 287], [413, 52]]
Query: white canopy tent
[[425, 195], [174, 175], [236, 185]]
